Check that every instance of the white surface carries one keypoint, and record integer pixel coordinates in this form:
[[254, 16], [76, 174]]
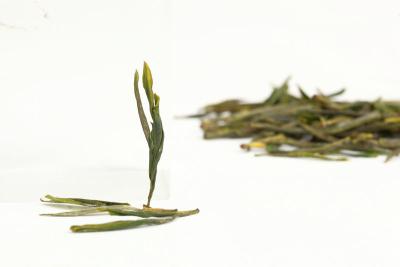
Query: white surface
[[66, 100]]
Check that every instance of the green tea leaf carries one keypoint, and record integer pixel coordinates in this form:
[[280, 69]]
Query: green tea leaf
[[142, 116], [124, 211], [147, 80], [119, 225], [155, 136], [80, 201]]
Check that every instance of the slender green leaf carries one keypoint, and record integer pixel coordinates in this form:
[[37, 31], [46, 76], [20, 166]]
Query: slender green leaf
[[119, 225], [80, 201], [142, 116]]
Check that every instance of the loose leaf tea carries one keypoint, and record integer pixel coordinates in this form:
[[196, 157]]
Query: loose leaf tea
[[152, 216], [318, 126]]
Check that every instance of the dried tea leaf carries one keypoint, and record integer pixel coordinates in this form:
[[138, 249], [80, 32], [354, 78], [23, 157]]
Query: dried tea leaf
[[142, 115], [155, 138], [80, 201], [119, 225], [124, 211]]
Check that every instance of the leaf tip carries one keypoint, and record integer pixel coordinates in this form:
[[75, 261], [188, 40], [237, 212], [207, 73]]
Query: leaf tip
[[147, 77], [75, 228]]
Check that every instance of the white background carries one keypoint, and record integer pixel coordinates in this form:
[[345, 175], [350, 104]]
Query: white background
[[68, 124]]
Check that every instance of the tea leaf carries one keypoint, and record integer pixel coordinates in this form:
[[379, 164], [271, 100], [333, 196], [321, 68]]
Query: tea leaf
[[119, 225], [155, 138], [80, 201], [142, 116], [124, 211], [147, 80]]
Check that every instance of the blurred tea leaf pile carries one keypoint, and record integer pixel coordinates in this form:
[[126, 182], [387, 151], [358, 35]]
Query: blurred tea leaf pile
[[317, 126], [151, 216]]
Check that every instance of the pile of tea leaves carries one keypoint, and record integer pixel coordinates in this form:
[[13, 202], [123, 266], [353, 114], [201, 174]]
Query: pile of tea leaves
[[318, 126]]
